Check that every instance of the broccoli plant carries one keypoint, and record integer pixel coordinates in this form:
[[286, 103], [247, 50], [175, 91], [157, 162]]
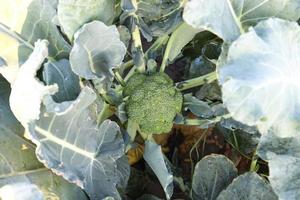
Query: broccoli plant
[[92, 80]]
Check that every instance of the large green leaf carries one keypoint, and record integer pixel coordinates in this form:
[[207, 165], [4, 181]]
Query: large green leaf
[[230, 18], [260, 77], [67, 135], [19, 168], [97, 49], [283, 158], [212, 174], [72, 145], [248, 186], [72, 14]]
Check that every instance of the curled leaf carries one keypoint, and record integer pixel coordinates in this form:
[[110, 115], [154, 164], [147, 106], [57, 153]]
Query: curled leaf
[[27, 92], [97, 49], [154, 157]]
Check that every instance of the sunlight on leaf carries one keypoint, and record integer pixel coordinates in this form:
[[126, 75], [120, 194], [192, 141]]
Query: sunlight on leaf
[[18, 163], [27, 91], [260, 78], [24, 191], [71, 144], [23, 22], [230, 18], [282, 155]]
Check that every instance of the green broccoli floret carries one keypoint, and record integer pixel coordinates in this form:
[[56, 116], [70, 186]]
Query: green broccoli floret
[[153, 102]]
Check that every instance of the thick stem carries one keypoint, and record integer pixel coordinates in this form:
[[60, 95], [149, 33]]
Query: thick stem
[[161, 41], [105, 113], [138, 52], [119, 77], [128, 64], [201, 122], [195, 82], [130, 73], [254, 163], [167, 53]]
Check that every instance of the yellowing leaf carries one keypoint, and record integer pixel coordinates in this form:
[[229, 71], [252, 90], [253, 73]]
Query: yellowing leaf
[[135, 154]]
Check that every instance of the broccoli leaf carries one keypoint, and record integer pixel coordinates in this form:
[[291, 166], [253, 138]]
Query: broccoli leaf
[[43, 182], [230, 18], [198, 107], [248, 186], [22, 24], [97, 49], [242, 137], [179, 38], [260, 78], [283, 158], [72, 14], [160, 17], [19, 168], [60, 73], [155, 159], [72, 145], [212, 174], [13, 159]]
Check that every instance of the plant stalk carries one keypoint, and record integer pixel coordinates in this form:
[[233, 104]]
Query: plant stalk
[[195, 82], [201, 122], [138, 53]]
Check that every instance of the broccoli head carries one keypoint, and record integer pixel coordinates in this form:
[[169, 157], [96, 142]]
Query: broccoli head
[[153, 102]]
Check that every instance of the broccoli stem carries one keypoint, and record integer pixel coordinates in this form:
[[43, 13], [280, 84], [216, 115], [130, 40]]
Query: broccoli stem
[[119, 77], [138, 52], [106, 112], [130, 73], [161, 41], [128, 64], [201, 122], [208, 78]]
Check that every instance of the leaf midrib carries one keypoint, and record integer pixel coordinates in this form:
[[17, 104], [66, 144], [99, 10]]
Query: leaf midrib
[[50, 136]]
